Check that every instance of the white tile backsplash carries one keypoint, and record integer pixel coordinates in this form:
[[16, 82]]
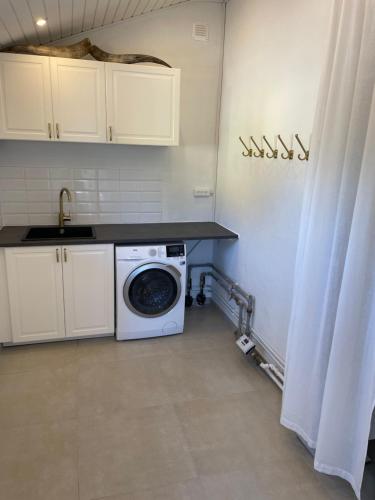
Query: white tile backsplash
[[84, 173], [14, 195], [37, 184], [12, 184], [61, 173], [109, 174], [37, 173], [29, 195], [85, 185], [12, 173], [16, 220], [37, 196], [85, 196], [14, 208]]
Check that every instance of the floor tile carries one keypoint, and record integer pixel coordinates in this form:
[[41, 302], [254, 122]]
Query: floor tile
[[232, 433], [202, 374], [129, 450], [39, 462], [123, 384], [104, 349], [39, 396], [185, 417], [201, 334], [230, 486], [19, 359], [189, 490]]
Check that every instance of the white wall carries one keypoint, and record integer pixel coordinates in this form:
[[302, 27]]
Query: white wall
[[115, 183], [274, 53]]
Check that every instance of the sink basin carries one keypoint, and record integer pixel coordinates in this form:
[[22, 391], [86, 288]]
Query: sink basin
[[57, 233]]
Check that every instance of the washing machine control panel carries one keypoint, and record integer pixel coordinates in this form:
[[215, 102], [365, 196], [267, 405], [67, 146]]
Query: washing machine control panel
[[175, 250], [143, 252]]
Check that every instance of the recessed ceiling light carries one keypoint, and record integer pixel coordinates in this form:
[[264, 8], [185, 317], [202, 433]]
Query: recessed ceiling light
[[41, 22]]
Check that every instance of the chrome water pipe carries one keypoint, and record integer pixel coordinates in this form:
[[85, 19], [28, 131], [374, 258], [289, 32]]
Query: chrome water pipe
[[241, 303], [235, 287], [244, 300]]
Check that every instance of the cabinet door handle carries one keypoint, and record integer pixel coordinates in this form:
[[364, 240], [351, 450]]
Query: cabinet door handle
[[57, 131], [65, 255], [57, 255], [49, 130], [110, 134]]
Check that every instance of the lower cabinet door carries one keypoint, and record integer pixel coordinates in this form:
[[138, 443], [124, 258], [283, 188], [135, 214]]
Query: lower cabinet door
[[88, 274], [35, 293]]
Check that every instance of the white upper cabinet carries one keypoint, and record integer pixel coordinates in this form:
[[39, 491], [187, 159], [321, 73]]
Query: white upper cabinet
[[25, 97], [88, 290], [78, 93], [75, 100], [35, 293], [143, 104]]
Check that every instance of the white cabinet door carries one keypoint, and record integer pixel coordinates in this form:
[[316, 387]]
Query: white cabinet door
[[143, 104], [25, 97], [35, 293], [78, 92], [5, 330], [88, 272]]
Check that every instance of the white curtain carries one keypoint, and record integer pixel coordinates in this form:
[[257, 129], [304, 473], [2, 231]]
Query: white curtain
[[329, 391]]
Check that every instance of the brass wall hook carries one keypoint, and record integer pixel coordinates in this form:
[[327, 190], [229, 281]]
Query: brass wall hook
[[261, 151], [249, 151], [275, 152], [290, 152], [305, 151]]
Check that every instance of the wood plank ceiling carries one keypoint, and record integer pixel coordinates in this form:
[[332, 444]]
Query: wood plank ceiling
[[67, 17]]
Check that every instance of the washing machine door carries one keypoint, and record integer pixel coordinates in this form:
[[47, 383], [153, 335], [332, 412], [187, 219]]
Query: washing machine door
[[152, 289]]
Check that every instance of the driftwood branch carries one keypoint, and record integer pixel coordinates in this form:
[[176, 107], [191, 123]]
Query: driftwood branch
[[82, 49], [75, 51], [101, 55]]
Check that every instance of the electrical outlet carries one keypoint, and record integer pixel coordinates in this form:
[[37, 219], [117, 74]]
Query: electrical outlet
[[202, 192], [245, 344]]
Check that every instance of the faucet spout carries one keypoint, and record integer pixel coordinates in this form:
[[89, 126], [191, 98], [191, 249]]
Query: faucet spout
[[62, 216]]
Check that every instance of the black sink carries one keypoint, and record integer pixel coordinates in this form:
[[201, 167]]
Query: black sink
[[57, 233]]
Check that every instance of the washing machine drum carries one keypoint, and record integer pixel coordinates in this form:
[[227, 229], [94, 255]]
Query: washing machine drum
[[152, 290]]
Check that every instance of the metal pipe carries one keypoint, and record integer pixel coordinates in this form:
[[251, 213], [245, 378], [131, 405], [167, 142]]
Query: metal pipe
[[235, 286], [241, 303], [272, 376], [242, 298], [239, 300], [240, 319], [270, 368]]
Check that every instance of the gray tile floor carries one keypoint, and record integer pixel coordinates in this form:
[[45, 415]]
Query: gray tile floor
[[176, 418]]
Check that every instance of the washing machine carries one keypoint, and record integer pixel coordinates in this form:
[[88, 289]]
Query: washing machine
[[150, 290]]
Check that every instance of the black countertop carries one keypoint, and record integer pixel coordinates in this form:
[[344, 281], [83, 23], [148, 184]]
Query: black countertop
[[127, 234]]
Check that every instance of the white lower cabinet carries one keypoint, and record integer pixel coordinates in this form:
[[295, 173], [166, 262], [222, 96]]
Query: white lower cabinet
[[36, 293], [5, 330], [57, 292], [88, 290]]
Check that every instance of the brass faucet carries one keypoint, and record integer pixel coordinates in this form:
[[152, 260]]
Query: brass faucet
[[62, 216]]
